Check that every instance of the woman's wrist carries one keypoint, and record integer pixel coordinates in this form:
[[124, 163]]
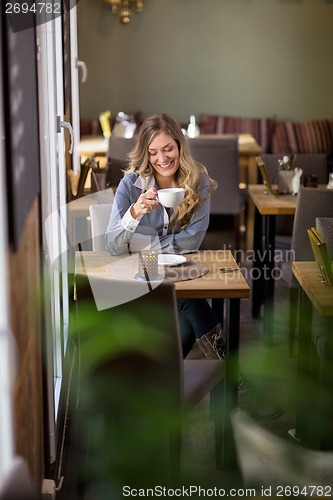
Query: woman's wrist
[[134, 212]]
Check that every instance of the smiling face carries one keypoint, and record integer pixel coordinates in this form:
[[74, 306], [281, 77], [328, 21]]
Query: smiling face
[[163, 153]]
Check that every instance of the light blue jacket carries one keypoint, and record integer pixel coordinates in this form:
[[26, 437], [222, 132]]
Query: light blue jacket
[[152, 230]]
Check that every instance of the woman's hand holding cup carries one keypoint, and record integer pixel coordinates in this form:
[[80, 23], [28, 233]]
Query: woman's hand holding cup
[[145, 203], [149, 200]]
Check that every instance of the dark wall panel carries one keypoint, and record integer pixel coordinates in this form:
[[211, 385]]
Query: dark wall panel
[[21, 123]]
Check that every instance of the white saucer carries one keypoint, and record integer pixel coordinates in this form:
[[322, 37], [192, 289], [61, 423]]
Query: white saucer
[[171, 259]]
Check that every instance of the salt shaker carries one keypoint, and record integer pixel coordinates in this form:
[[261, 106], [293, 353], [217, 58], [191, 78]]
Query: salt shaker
[[330, 181]]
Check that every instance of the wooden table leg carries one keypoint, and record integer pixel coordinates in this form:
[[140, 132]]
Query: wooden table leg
[[229, 457], [252, 178], [304, 402], [314, 406], [268, 326], [326, 392], [250, 224], [257, 267]]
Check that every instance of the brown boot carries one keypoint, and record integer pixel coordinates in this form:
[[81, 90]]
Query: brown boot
[[212, 345]]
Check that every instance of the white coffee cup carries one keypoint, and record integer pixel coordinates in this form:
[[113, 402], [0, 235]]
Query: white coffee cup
[[170, 197]]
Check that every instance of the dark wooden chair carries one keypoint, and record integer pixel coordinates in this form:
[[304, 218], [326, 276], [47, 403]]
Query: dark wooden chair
[[134, 380], [310, 164], [220, 157]]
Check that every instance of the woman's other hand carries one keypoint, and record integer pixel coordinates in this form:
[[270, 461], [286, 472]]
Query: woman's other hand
[[145, 203]]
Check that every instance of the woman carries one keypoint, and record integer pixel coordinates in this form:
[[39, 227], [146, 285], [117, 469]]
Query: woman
[[161, 159]]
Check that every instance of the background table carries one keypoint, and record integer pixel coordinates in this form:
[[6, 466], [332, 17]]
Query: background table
[[79, 224], [92, 145], [267, 207], [215, 285]]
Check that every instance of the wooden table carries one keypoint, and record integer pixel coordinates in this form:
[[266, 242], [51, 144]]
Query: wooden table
[[314, 409], [91, 145], [79, 226], [215, 285], [267, 207]]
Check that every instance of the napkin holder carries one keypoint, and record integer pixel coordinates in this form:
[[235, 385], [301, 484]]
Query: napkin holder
[[289, 176]]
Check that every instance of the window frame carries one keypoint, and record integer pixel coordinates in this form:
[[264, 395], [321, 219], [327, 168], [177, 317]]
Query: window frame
[[7, 353]]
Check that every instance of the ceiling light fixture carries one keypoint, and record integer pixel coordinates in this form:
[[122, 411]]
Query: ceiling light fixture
[[125, 8]]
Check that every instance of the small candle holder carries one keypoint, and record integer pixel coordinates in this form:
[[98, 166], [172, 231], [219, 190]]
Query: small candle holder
[[148, 266]]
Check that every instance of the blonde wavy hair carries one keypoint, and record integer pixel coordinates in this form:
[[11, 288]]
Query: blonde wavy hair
[[188, 173]]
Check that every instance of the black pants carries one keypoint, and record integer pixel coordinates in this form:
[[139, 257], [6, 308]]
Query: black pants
[[196, 318]]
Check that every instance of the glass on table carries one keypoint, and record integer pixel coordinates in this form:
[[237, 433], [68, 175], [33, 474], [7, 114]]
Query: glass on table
[[330, 181]]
